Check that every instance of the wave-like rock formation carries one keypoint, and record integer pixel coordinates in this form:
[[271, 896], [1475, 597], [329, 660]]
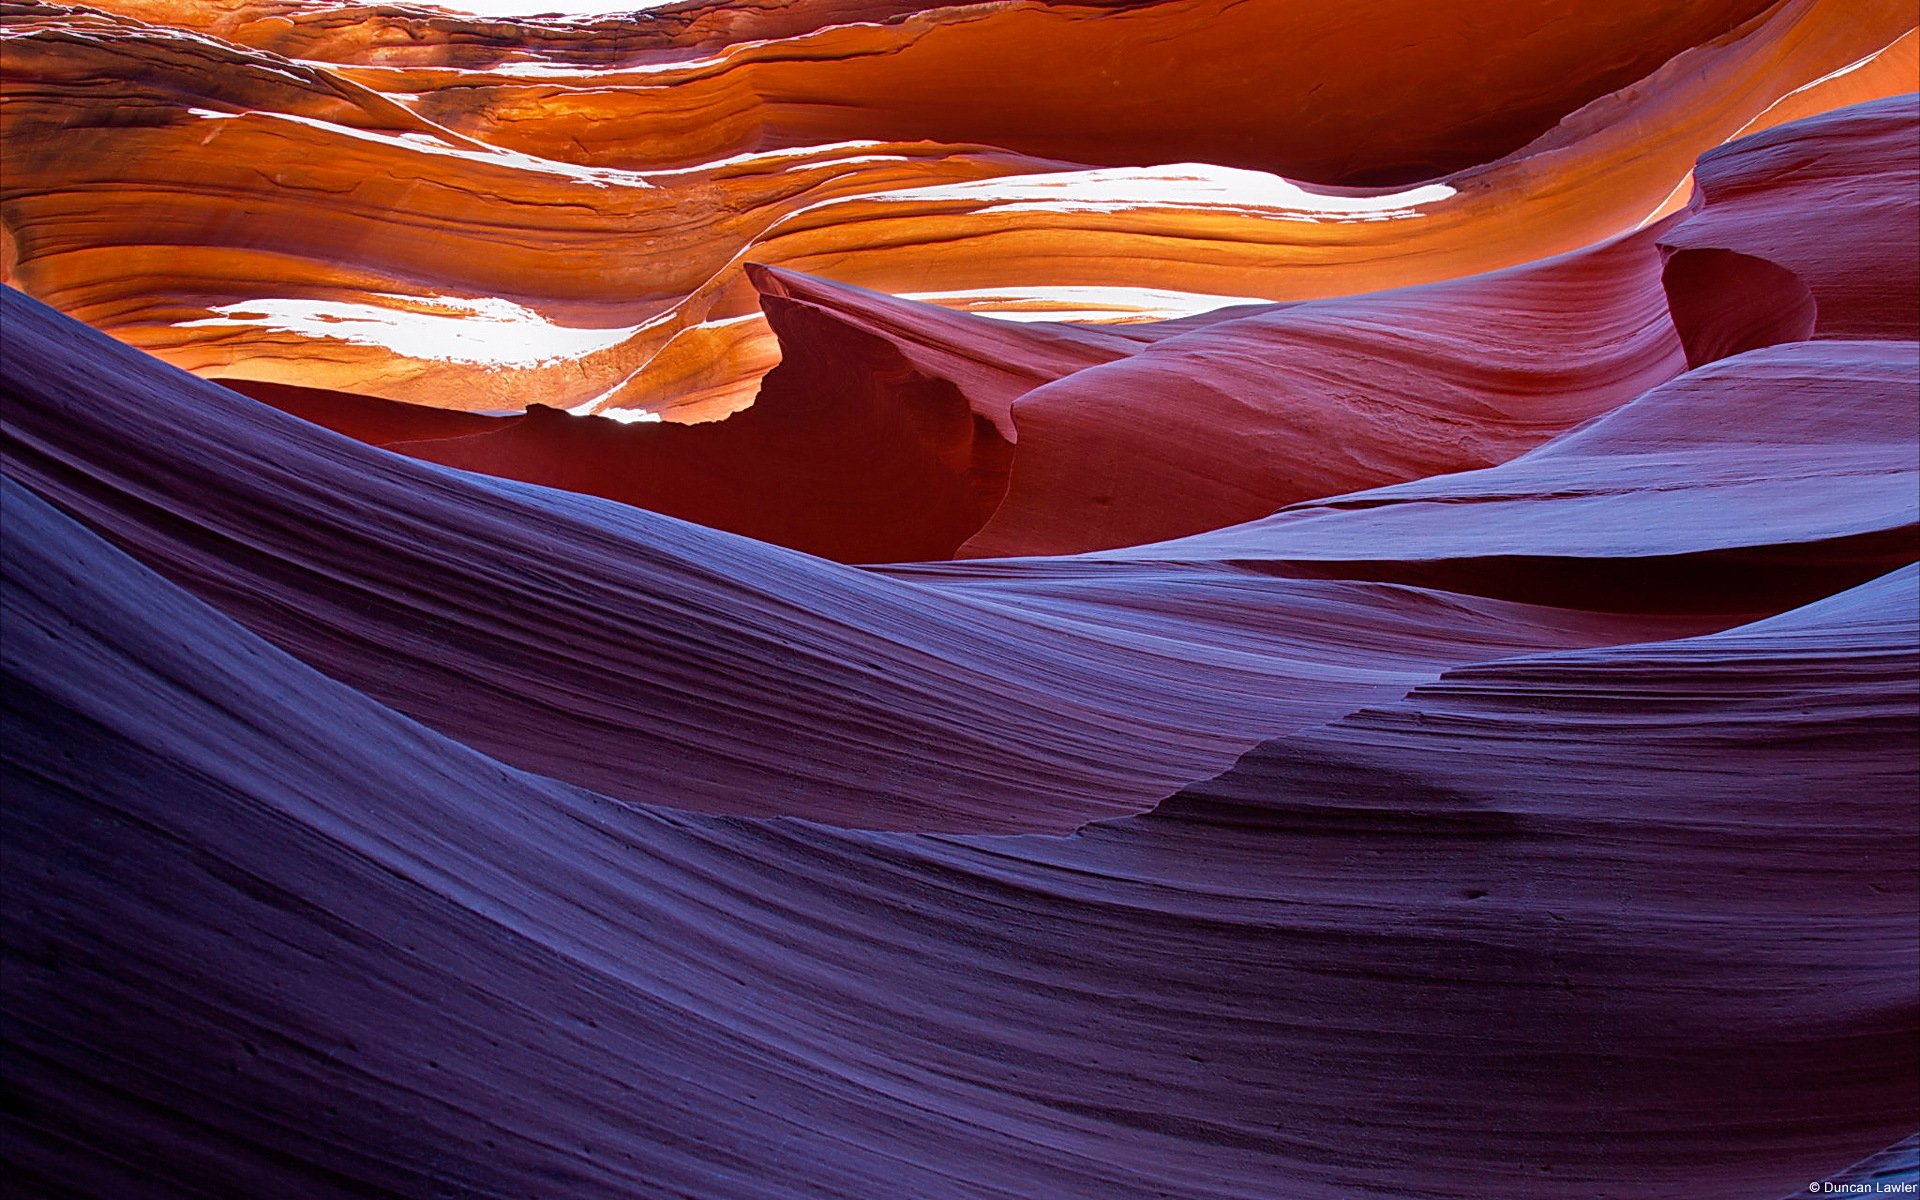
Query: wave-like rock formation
[[1822, 218], [910, 599], [578, 639], [426, 218]]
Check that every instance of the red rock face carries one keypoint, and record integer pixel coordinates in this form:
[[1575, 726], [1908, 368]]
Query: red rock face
[[881, 599]]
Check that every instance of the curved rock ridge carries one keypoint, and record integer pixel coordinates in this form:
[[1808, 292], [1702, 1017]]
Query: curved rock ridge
[[885, 434], [1808, 453], [299, 194], [1526, 794], [901, 431], [960, 600], [1514, 911], [1292, 88], [1239, 418], [437, 35], [1832, 199], [660, 661]]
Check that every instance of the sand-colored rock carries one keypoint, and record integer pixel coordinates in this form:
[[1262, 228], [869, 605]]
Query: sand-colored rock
[[625, 287], [895, 599]]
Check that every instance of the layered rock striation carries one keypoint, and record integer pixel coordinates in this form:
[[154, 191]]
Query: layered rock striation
[[891, 599]]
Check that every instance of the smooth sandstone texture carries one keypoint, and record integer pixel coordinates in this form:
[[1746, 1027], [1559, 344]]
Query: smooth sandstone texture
[[316, 949], [1834, 200], [661, 661], [894, 599], [1351, 97], [1709, 461], [445, 235], [896, 431], [1239, 418]]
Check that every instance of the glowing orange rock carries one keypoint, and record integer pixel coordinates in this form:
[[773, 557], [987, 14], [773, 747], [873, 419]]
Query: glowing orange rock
[[466, 229]]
